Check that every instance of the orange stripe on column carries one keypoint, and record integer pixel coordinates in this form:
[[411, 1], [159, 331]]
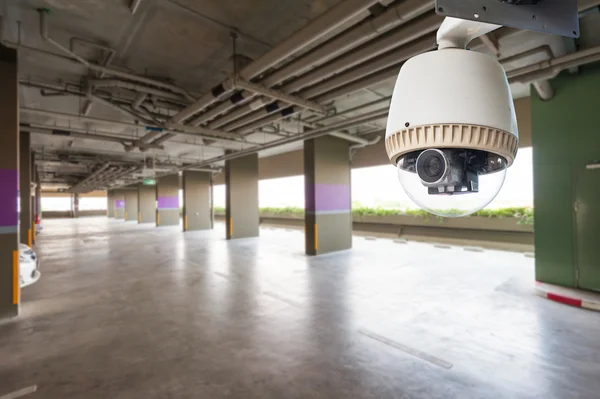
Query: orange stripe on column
[[185, 223], [230, 227], [29, 240], [139, 217], [16, 289]]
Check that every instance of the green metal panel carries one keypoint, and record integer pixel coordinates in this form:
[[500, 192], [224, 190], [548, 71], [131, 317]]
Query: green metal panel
[[553, 203], [588, 228], [565, 138]]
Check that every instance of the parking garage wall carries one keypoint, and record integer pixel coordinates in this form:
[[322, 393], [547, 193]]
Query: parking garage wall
[[566, 189]]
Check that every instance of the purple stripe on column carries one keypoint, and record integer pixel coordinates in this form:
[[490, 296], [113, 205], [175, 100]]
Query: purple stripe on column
[[119, 204], [328, 197], [168, 202], [9, 193]]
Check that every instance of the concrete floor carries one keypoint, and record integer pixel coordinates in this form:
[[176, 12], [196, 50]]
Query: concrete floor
[[132, 311]]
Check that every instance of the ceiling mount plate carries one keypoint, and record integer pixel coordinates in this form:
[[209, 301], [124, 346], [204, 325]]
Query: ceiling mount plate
[[559, 17]]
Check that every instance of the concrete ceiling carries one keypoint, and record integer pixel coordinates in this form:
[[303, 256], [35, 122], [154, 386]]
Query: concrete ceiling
[[184, 42]]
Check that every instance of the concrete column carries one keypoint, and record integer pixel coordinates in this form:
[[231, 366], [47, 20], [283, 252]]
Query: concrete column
[[241, 196], [146, 204], [75, 205], [167, 200], [9, 184], [328, 210], [26, 235], [110, 204], [119, 201], [131, 205], [197, 206], [34, 198]]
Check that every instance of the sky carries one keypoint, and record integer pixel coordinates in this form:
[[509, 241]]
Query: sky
[[379, 187]]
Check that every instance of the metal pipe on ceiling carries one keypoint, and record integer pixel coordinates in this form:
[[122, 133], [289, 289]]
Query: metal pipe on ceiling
[[98, 83], [331, 20], [234, 100], [79, 133], [91, 177], [335, 127], [556, 64], [187, 130], [351, 137], [401, 54], [109, 71], [403, 35], [385, 100], [393, 16], [400, 37]]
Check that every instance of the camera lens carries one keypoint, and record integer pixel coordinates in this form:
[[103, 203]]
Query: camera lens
[[431, 166]]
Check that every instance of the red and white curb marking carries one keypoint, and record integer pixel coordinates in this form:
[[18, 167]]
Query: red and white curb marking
[[545, 291]]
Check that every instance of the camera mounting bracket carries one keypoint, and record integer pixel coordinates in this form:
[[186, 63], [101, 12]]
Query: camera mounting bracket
[[559, 17]]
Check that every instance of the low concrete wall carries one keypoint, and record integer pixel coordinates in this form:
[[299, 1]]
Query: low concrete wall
[[67, 214], [487, 232]]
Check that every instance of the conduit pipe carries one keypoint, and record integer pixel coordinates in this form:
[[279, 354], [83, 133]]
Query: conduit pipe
[[335, 127], [234, 100], [350, 137], [393, 16], [373, 141], [109, 71], [335, 17], [400, 37], [187, 130], [116, 83], [401, 54], [554, 66], [78, 133]]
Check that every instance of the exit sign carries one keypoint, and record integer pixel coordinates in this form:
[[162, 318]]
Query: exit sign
[[149, 182]]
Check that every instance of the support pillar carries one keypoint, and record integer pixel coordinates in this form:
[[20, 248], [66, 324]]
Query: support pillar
[[197, 207], [110, 204], [241, 196], [75, 205], [131, 205], [146, 204], [26, 235], [167, 200], [328, 210], [119, 201], [9, 184]]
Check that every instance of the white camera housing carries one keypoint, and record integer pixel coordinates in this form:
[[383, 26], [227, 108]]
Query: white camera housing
[[459, 100]]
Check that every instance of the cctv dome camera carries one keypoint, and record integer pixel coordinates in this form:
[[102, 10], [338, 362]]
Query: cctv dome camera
[[452, 130]]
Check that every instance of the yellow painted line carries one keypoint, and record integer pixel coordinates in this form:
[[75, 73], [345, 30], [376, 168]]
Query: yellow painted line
[[125, 217], [16, 288], [316, 237], [185, 223], [29, 238], [139, 217]]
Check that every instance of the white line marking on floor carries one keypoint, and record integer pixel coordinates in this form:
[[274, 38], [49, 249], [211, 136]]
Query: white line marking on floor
[[407, 349], [473, 249], [282, 299], [443, 246], [20, 393], [218, 274]]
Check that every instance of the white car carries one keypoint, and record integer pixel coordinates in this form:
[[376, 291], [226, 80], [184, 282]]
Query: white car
[[28, 266]]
